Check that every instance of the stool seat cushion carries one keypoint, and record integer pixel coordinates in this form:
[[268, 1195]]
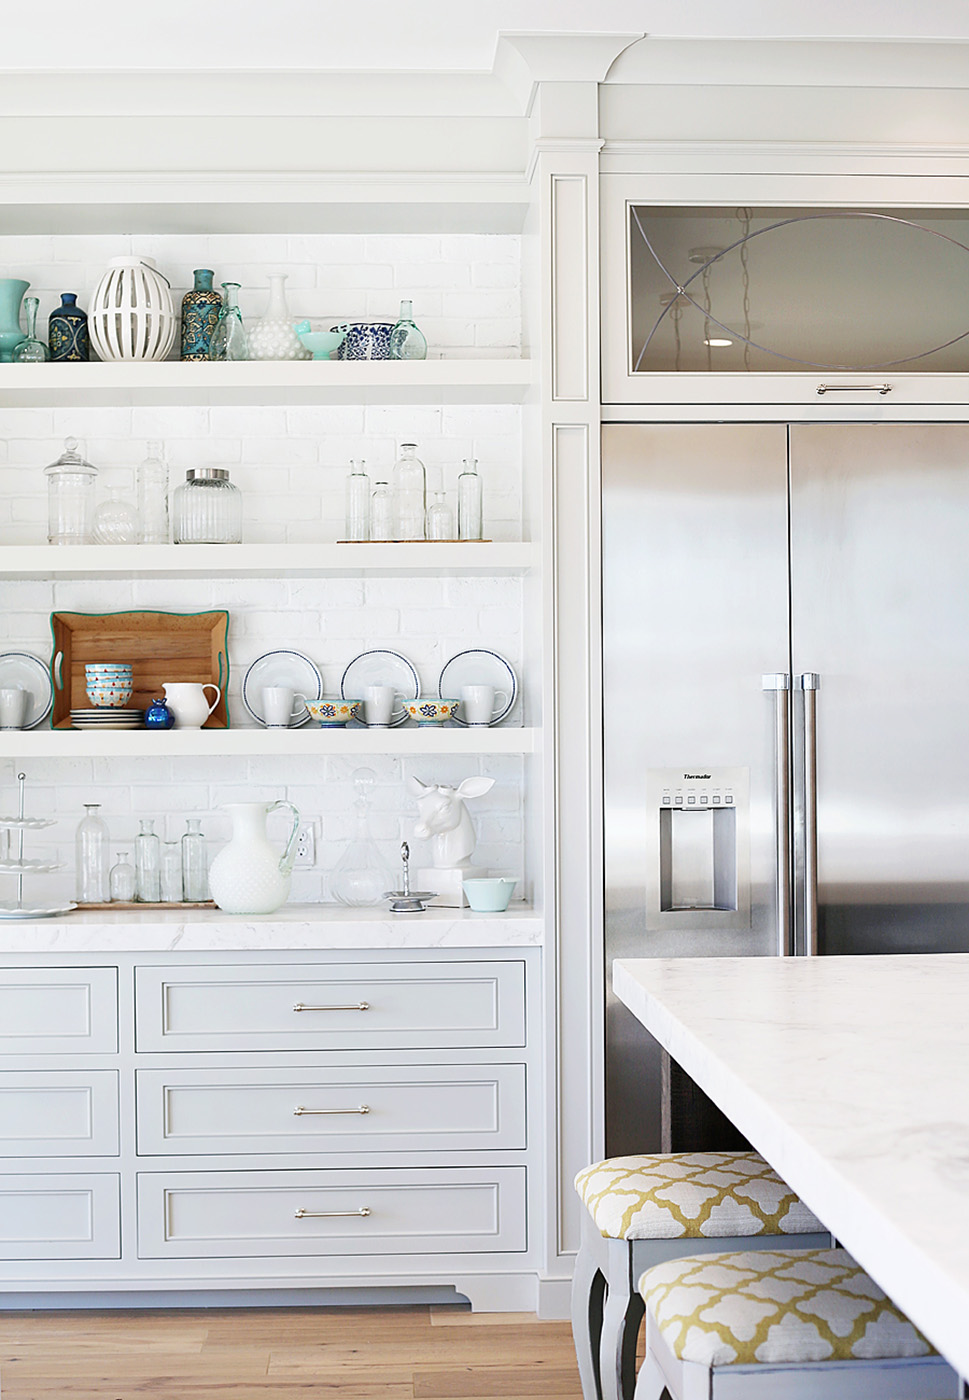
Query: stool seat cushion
[[784, 1305], [673, 1195]]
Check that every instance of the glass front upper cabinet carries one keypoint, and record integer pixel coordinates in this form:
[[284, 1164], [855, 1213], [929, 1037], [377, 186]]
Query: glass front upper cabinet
[[824, 294]]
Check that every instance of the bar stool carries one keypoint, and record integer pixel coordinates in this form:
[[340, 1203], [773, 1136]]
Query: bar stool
[[781, 1324], [647, 1209]]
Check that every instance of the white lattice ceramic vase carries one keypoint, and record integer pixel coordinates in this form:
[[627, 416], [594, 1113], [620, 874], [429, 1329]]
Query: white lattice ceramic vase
[[274, 338], [132, 316]]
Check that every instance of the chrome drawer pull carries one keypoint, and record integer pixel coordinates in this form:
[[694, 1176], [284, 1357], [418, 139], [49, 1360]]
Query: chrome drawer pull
[[854, 388], [300, 1111], [302, 1214], [357, 1006]]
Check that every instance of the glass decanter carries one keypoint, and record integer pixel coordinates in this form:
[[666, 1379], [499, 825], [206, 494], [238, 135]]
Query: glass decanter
[[410, 494], [148, 864], [407, 342], [115, 520], [229, 340], [122, 880], [195, 863], [274, 337], [361, 877], [469, 501], [91, 856], [357, 522], [153, 495], [31, 351]]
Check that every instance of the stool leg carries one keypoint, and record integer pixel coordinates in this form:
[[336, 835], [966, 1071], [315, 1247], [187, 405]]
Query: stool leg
[[588, 1287], [620, 1329], [651, 1382]]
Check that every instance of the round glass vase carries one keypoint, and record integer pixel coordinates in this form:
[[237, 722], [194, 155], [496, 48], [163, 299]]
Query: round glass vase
[[274, 337]]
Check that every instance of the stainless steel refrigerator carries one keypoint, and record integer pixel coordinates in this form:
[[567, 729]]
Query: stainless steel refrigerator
[[786, 702]]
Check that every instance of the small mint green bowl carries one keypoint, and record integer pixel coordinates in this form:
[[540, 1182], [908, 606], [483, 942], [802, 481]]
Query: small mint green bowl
[[490, 894], [321, 344]]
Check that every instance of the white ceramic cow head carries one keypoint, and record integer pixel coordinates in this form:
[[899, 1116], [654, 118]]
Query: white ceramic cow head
[[443, 819]]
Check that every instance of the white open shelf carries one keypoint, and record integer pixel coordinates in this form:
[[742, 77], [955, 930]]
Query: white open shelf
[[266, 560], [267, 382], [262, 743]]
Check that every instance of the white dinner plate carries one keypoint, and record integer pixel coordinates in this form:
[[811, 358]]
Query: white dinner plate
[[27, 823], [478, 667], [7, 912], [289, 668], [381, 668], [19, 668]]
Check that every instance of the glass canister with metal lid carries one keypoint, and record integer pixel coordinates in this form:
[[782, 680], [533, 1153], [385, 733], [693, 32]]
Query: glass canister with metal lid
[[207, 508], [70, 497]]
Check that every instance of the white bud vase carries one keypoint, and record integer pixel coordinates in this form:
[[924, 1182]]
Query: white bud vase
[[273, 338], [248, 876]]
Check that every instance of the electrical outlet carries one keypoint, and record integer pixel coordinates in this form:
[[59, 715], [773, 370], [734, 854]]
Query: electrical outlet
[[305, 846]]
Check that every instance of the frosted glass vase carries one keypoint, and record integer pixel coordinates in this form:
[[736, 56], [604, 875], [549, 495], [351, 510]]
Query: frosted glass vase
[[273, 338]]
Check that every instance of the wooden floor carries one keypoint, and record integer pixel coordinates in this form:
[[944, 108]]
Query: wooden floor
[[419, 1353]]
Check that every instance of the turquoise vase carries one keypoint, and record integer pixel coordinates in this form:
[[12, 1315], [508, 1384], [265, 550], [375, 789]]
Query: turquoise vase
[[200, 314], [67, 333], [12, 293]]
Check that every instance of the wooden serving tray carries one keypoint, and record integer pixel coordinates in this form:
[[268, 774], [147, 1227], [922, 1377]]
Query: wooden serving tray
[[162, 647]]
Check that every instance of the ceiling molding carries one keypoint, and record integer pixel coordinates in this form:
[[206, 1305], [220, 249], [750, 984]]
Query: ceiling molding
[[523, 60]]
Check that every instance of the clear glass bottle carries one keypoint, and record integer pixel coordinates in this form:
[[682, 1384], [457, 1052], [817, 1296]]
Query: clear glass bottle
[[383, 514], [407, 342], [361, 877], [122, 880], [357, 522], [207, 508], [91, 857], [153, 495], [229, 340], [115, 520], [195, 863], [469, 501], [148, 864], [31, 351], [70, 497], [410, 494], [440, 518], [171, 872]]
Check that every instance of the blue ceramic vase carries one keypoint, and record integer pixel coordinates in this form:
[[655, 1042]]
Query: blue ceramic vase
[[12, 293], [200, 312], [67, 334]]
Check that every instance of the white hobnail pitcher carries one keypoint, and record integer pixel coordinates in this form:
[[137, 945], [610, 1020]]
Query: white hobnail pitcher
[[249, 876]]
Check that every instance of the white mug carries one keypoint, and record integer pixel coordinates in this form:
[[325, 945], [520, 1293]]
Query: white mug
[[378, 705], [13, 707], [480, 703], [280, 705], [188, 703]]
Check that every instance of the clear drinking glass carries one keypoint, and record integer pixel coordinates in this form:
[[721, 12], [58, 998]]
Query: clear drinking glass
[[153, 495], [91, 856], [122, 880], [207, 508], [440, 518], [31, 351], [407, 342], [171, 872], [195, 863], [229, 340], [357, 523], [469, 501], [410, 493], [383, 515], [148, 864], [70, 497]]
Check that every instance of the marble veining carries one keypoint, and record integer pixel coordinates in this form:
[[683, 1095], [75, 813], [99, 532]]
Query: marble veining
[[294, 926], [850, 1076]]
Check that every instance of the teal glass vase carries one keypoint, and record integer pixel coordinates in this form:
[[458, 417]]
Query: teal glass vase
[[12, 293], [407, 341]]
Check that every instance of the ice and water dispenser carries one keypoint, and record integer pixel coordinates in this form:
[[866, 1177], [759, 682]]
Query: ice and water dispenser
[[698, 861]]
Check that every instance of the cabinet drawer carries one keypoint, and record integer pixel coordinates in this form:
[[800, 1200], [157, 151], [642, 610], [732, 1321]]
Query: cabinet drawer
[[338, 1007], [189, 1215], [60, 1217], [53, 1010], [59, 1114], [414, 1108]]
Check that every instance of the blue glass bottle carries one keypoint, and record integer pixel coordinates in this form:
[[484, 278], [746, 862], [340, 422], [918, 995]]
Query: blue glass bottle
[[158, 716], [67, 330]]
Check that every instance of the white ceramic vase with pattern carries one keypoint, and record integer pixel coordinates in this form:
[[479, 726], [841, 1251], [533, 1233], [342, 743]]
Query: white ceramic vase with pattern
[[273, 338], [249, 876]]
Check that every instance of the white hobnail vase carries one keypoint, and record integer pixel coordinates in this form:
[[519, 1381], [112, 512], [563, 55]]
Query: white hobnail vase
[[273, 338], [249, 876], [132, 316]]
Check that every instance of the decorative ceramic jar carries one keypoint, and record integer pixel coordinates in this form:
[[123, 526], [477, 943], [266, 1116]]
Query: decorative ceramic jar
[[132, 316], [200, 313], [274, 337], [67, 333], [12, 292], [364, 340], [248, 876]]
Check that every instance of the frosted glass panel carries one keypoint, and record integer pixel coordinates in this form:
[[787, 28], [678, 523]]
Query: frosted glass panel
[[763, 290]]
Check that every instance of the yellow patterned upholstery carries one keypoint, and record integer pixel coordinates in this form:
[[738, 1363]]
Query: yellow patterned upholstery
[[784, 1305], [672, 1195]]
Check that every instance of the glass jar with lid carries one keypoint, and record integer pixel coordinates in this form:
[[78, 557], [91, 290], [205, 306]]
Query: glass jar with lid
[[70, 497], [207, 508]]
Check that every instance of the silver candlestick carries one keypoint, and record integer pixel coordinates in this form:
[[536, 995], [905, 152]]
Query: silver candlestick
[[405, 900]]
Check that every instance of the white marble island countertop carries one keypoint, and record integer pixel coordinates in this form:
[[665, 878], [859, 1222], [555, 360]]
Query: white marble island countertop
[[851, 1076], [295, 926]]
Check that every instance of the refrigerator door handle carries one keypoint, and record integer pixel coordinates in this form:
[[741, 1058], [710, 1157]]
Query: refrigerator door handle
[[809, 683], [780, 684]]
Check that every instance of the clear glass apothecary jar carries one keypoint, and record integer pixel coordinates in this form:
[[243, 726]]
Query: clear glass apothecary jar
[[70, 497], [207, 508]]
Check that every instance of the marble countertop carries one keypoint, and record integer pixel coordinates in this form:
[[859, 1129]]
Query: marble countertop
[[851, 1076], [295, 926]]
